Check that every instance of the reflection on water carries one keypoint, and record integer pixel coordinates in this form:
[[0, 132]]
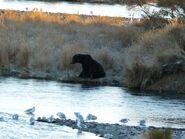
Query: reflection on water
[[73, 8]]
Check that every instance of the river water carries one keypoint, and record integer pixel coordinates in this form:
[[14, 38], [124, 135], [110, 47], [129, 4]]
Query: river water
[[109, 104], [74, 8]]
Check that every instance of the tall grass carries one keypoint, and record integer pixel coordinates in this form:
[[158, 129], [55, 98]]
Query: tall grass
[[159, 134], [39, 16], [144, 64], [45, 43]]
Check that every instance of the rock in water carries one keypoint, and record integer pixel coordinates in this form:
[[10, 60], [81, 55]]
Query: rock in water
[[124, 121], [1, 118], [142, 123], [15, 116], [32, 120], [108, 136]]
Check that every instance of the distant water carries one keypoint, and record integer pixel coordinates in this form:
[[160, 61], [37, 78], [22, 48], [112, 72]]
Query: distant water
[[74, 8]]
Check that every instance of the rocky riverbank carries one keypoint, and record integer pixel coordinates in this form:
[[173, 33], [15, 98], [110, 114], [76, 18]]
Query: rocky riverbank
[[113, 131], [60, 77]]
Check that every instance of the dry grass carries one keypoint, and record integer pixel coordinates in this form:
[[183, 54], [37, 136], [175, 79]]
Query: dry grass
[[159, 134], [46, 42], [143, 59], [39, 16]]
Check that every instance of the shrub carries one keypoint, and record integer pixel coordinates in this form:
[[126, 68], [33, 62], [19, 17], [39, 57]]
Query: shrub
[[140, 76], [4, 60], [128, 35], [22, 57], [159, 134], [106, 60]]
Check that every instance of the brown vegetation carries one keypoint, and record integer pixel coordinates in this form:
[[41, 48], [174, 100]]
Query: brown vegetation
[[39, 42], [43, 43], [39, 16], [159, 134], [157, 54]]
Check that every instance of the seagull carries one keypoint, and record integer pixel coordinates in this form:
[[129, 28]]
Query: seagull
[[124, 121], [91, 117], [79, 116], [15, 116], [30, 111], [80, 126], [50, 119], [61, 115], [142, 123], [79, 122], [32, 120]]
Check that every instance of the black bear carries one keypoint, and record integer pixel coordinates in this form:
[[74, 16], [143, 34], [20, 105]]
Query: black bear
[[90, 68]]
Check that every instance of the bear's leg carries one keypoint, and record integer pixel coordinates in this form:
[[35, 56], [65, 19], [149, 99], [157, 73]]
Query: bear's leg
[[81, 75], [84, 74]]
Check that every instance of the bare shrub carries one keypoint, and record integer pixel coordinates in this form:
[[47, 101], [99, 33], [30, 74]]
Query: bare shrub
[[22, 58], [2, 21], [159, 134], [65, 57], [106, 60], [4, 60], [178, 33], [128, 35], [153, 23], [144, 58]]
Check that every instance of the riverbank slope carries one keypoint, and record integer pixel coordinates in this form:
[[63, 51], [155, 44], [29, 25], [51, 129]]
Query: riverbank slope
[[40, 45]]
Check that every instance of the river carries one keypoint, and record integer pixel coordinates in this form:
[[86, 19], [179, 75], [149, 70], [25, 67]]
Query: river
[[109, 104], [75, 8]]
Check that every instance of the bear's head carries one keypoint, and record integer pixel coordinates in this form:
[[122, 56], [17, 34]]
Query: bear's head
[[81, 58]]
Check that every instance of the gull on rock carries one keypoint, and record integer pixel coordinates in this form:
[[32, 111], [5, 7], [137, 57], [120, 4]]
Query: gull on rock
[[32, 120], [91, 117], [30, 111], [79, 116], [50, 119], [80, 126], [61, 115], [15, 116], [79, 122]]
